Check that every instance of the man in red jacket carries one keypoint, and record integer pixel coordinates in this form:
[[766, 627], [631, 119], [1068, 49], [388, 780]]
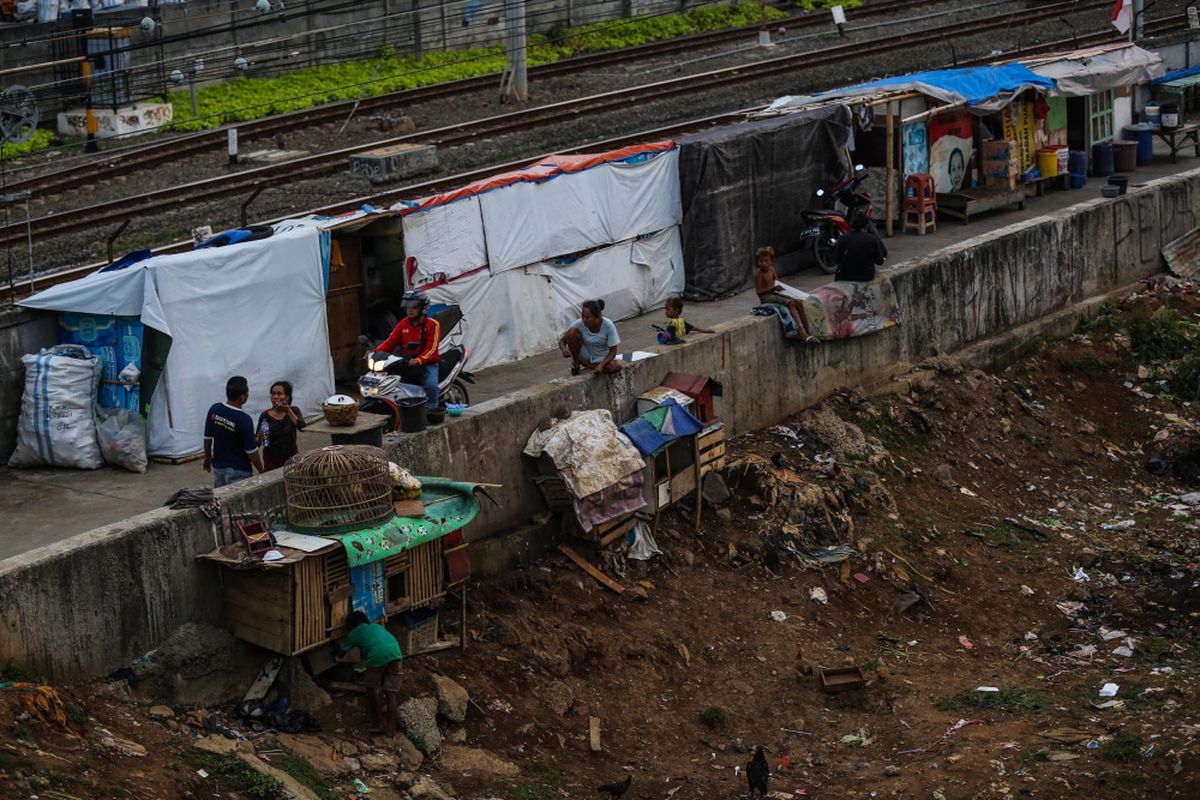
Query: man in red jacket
[[415, 339]]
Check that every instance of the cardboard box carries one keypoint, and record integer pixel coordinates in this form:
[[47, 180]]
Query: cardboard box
[[998, 150]]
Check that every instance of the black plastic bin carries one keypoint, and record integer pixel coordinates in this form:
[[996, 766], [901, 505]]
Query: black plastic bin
[[412, 414]]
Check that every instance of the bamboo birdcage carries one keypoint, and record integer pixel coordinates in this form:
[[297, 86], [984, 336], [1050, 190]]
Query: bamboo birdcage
[[338, 487]]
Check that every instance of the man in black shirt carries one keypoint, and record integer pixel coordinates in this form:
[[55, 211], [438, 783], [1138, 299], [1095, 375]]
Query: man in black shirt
[[858, 252]]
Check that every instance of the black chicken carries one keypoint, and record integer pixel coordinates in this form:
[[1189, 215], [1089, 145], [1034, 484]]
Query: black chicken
[[758, 774], [616, 788]]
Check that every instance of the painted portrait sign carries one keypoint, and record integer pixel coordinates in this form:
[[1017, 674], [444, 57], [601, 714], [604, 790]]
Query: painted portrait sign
[[950, 149]]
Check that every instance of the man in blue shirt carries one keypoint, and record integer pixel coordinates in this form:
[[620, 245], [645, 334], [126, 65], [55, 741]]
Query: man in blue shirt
[[230, 447]]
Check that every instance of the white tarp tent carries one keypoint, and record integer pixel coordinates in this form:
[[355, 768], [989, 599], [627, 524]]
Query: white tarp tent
[[1098, 69], [519, 252], [255, 309]]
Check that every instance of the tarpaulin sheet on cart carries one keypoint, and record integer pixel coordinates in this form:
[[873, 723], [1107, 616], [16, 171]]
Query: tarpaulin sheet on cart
[[744, 186], [658, 427], [449, 505]]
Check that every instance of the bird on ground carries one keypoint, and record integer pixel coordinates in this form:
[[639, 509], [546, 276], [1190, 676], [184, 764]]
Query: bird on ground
[[803, 665], [758, 773], [616, 788]]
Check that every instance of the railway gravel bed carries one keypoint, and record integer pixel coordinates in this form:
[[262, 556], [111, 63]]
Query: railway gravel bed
[[82, 248]]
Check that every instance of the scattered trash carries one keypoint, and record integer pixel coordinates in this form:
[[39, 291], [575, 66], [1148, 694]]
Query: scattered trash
[[272, 555], [1028, 592], [778, 616], [1111, 634], [361, 788], [1109, 690], [860, 738], [1030, 636], [860, 577], [1080, 576], [1084, 651], [967, 492], [906, 601], [1123, 651], [842, 679], [1123, 525], [120, 744], [986, 689], [500, 705], [966, 643], [202, 773], [787, 433], [817, 595], [834, 555], [1070, 607]]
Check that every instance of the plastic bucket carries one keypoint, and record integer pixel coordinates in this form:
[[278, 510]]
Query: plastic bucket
[[412, 414], [1143, 134], [1047, 162], [1119, 181], [1077, 162], [1102, 159], [1124, 155], [1170, 115], [1078, 180], [1153, 114]]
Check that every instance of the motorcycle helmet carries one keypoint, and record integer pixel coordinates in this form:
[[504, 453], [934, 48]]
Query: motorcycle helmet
[[415, 298]]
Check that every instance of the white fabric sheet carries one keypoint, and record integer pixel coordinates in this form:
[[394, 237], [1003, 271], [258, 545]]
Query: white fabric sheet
[[255, 309], [446, 240], [527, 222], [506, 317]]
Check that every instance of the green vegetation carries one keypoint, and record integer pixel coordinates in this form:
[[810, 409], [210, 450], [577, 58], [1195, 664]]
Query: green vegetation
[[1010, 700], [1105, 321], [75, 712], [1087, 364], [40, 140], [713, 716], [22, 731], [16, 674], [236, 773], [305, 775], [1122, 746], [251, 98], [823, 5], [1035, 756], [1163, 336], [1185, 378], [542, 785]]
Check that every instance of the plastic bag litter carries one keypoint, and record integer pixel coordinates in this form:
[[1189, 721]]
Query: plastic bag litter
[[122, 436], [57, 427], [643, 547]]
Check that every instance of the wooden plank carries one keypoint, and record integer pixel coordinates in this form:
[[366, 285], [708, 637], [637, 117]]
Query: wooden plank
[[258, 595], [594, 734], [410, 508], [683, 484], [712, 453], [625, 527], [338, 594], [266, 618], [342, 686], [706, 440], [587, 567]]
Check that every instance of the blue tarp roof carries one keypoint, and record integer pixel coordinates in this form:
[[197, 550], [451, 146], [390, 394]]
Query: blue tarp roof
[[660, 426], [1175, 75], [974, 86]]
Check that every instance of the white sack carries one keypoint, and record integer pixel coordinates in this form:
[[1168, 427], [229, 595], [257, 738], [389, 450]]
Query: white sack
[[122, 437], [57, 427]]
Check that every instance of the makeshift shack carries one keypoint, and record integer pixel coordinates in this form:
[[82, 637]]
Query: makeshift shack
[[205, 315], [743, 186], [294, 592], [520, 252]]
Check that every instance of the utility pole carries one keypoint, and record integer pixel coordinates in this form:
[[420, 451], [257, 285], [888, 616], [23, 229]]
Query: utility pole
[[1137, 30], [515, 84]]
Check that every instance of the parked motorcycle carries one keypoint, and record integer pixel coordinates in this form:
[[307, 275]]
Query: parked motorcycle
[[384, 385], [827, 224]]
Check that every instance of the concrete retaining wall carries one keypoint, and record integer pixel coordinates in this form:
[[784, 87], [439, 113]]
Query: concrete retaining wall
[[88, 603]]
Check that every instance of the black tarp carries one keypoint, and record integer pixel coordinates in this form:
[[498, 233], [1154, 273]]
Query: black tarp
[[744, 186]]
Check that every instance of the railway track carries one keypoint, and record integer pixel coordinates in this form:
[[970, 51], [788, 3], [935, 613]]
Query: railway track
[[21, 287], [136, 158], [247, 181]]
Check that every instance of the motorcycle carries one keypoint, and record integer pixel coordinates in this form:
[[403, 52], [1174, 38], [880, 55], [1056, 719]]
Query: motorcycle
[[827, 224], [384, 386]]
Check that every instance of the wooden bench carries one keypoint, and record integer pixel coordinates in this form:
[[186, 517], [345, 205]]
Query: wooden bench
[[1180, 137], [967, 203]]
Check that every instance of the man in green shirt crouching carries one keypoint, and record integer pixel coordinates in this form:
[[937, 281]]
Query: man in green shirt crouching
[[380, 663]]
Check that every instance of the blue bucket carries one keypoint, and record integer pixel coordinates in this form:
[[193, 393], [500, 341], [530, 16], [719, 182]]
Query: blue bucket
[[1078, 181]]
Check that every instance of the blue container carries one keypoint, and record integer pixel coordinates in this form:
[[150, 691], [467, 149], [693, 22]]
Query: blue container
[[1078, 181], [1143, 134], [1077, 162], [1102, 159], [116, 341]]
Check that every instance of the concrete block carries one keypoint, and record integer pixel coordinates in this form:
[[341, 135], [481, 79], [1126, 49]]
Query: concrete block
[[394, 162], [126, 120], [267, 157]]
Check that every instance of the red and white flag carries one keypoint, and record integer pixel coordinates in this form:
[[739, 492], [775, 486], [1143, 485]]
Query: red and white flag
[[1122, 15]]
